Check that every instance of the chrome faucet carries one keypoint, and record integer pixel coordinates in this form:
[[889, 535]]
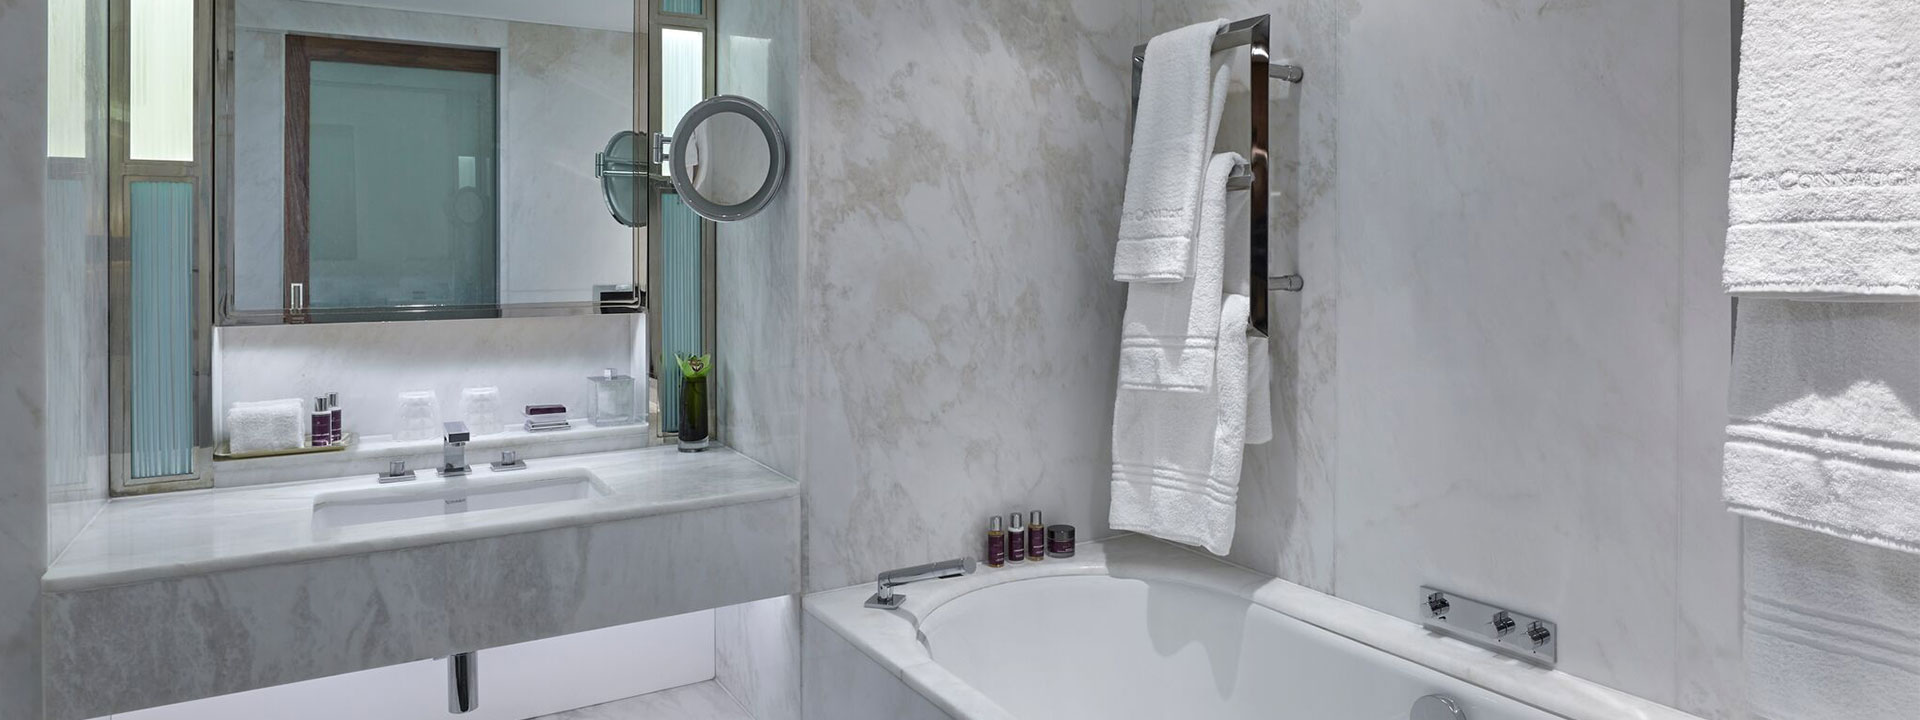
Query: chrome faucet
[[886, 599], [453, 450]]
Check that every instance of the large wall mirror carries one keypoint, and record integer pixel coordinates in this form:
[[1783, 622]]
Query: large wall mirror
[[424, 159]]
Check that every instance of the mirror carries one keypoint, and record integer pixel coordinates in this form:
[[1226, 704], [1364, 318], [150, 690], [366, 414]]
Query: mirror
[[419, 159], [728, 158], [623, 178]]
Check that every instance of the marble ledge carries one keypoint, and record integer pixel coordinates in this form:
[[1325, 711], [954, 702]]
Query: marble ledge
[[192, 533], [372, 454], [229, 590]]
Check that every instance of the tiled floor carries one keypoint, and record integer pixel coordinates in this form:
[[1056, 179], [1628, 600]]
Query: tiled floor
[[699, 701]]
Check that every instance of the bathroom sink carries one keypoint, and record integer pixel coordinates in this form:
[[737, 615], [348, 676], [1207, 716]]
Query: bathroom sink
[[431, 495]]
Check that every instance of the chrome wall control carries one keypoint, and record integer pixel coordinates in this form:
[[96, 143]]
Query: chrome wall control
[[396, 472], [1508, 632], [509, 460], [1436, 707], [886, 599]]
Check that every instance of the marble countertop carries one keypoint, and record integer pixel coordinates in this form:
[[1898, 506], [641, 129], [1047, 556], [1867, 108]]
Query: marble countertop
[[182, 534]]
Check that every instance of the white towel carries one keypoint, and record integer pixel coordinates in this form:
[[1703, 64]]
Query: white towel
[[1259, 392], [1169, 334], [1182, 94], [1825, 194], [266, 426], [1180, 410], [1832, 628], [1177, 455], [1824, 428]]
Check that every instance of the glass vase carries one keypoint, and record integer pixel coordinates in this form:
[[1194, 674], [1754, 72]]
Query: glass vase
[[693, 414]]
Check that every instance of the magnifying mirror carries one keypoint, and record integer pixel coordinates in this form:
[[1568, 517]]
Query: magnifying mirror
[[729, 158], [622, 170]]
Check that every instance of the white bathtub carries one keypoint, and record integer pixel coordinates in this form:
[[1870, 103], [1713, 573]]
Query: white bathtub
[[1136, 628]]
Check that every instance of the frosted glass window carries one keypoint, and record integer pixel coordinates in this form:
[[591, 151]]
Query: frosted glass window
[[67, 78], [162, 327], [682, 7], [160, 91], [680, 300], [683, 74]]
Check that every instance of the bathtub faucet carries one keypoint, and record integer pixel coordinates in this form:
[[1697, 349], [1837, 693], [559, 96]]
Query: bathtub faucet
[[886, 599]]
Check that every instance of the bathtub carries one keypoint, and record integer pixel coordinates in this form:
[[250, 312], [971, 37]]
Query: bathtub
[[1137, 628]]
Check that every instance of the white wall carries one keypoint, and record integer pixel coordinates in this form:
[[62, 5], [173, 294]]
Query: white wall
[[1505, 375]]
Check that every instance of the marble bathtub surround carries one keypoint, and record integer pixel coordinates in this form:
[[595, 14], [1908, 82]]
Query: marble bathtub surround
[[889, 637], [231, 589]]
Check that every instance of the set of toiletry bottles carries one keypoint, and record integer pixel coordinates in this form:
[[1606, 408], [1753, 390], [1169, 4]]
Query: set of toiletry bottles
[[323, 424], [1029, 540]]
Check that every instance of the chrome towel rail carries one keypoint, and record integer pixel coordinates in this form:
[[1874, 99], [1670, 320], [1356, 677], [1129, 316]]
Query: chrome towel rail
[[1256, 33]]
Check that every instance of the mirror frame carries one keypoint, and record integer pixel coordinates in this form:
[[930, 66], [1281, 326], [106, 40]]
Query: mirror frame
[[776, 158]]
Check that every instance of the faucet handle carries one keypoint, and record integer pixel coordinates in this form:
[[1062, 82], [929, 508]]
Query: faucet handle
[[457, 433], [396, 472], [509, 460]]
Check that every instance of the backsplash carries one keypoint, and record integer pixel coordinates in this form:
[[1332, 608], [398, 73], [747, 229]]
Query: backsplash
[[531, 360]]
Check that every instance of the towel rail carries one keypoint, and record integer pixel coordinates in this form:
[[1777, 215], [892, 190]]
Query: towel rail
[[1256, 34]]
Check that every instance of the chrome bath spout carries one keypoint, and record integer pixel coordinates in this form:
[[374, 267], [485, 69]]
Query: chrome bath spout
[[886, 599]]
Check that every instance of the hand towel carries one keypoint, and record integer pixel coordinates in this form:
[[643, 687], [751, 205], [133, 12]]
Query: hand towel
[[1169, 333], [1824, 427], [1182, 94], [1825, 189], [1177, 454], [266, 426], [1832, 628]]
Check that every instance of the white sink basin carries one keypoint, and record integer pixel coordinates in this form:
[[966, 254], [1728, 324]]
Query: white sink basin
[[432, 495]]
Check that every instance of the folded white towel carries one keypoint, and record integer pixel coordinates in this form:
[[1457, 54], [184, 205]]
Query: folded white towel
[[1824, 432], [1832, 627], [1182, 94], [1825, 194], [1259, 391], [1169, 333], [266, 426]]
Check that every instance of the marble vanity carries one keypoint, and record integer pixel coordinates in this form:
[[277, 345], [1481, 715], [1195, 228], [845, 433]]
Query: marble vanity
[[170, 598]]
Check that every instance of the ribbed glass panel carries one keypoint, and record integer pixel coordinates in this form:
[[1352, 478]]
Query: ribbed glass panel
[[67, 78], [680, 304], [160, 87], [683, 7], [683, 74], [162, 326]]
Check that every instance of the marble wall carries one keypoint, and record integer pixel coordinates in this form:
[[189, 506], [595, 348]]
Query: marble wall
[[963, 165], [23, 362], [1505, 375]]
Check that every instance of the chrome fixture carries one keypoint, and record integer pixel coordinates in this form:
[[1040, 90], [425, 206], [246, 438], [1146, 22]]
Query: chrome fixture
[[886, 599], [1436, 707], [1255, 33], [396, 472], [509, 460], [463, 676], [453, 450], [1490, 626]]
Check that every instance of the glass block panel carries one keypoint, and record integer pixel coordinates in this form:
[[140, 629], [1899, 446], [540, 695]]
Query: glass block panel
[[682, 7], [160, 87], [680, 300], [683, 74], [161, 234], [402, 187]]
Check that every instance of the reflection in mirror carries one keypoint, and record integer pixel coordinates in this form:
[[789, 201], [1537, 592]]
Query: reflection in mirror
[[442, 173], [622, 169]]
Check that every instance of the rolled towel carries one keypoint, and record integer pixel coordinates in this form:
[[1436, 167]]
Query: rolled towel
[[1824, 200], [266, 426], [1182, 95]]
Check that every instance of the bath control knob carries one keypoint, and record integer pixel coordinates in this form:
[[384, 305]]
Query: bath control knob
[[1437, 604], [1502, 623], [1538, 633], [1436, 707]]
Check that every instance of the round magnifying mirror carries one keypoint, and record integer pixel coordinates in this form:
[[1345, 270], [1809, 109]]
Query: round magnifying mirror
[[622, 171], [729, 158]]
